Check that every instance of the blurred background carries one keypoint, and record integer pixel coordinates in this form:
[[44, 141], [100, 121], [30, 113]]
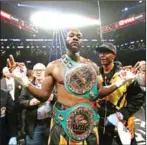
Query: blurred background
[[35, 31]]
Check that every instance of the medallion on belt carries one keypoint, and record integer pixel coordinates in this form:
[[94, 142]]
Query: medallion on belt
[[81, 79], [79, 123]]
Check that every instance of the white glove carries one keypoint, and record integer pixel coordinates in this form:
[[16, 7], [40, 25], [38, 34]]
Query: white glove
[[124, 77], [19, 74], [12, 141]]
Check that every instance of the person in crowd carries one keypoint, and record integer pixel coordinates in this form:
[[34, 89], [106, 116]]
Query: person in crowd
[[8, 83], [120, 105], [140, 72], [78, 84], [8, 128], [37, 116], [118, 63], [30, 74]]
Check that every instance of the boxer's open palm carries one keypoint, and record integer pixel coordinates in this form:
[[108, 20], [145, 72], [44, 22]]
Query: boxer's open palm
[[18, 71], [16, 67]]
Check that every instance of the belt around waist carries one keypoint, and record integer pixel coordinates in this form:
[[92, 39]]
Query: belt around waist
[[77, 121]]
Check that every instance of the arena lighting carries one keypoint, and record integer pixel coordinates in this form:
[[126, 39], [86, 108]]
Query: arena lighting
[[15, 19], [132, 42], [123, 23], [84, 40], [5, 15], [94, 40], [58, 20], [125, 9], [28, 61]]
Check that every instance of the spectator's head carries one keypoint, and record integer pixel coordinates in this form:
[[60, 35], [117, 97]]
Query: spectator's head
[[30, 74], [6, 72], [39, 71]]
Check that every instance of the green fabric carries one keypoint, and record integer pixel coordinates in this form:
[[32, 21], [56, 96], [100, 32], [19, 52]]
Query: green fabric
[[61, 116], [85, 95]]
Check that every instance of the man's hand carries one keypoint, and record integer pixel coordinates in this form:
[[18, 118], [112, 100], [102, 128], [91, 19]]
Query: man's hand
[[114, 119], [33, 102], [140, 66], [127, 68], [18, 71], [12, 141], [124, 77]]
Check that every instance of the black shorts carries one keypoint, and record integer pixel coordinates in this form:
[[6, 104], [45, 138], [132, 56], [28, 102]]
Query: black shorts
[[57, 134]]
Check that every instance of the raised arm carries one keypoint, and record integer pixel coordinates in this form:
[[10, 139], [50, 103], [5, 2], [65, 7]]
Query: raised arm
[[18, 72], [106, 90], [46, 90], [125, 76]]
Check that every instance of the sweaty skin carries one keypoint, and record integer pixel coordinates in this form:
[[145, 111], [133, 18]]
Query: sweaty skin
[[54, 75]]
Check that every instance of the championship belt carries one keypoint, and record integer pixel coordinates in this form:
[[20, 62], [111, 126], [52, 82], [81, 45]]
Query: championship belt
[[77, 121], [81, 80]]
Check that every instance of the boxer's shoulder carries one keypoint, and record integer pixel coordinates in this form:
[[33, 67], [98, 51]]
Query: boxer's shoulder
[[93, 64], [54, 63]]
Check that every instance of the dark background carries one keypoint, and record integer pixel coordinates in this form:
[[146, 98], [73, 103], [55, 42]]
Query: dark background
[[111, 11]]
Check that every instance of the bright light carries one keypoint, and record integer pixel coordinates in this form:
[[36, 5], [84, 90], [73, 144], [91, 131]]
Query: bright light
[[126, 9], [4, 14], [140, 1], [57, 20], [132, 42]]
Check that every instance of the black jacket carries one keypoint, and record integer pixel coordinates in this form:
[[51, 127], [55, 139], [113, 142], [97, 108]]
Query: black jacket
[[7, 117], [17, 86], [30, 111], [17, 91], [134, 99]]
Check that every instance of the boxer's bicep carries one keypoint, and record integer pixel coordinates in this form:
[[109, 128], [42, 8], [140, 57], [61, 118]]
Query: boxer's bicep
[[47, 85]]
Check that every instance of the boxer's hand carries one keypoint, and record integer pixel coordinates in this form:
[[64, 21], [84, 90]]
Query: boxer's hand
[[33, 102], [124, 77], [18, 71]]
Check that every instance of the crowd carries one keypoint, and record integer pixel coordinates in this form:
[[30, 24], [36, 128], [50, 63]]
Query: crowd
[[72, 100]]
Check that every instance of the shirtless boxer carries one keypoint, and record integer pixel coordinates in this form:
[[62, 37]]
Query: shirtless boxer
[[78, 84]]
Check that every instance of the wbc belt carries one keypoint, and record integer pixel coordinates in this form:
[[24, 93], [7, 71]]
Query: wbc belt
[[81, 80], [77, 121]]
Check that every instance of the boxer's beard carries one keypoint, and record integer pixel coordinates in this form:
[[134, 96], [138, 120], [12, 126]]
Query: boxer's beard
[[69, 47]]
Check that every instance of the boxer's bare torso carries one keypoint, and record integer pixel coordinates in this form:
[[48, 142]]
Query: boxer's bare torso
[[56, 70]]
